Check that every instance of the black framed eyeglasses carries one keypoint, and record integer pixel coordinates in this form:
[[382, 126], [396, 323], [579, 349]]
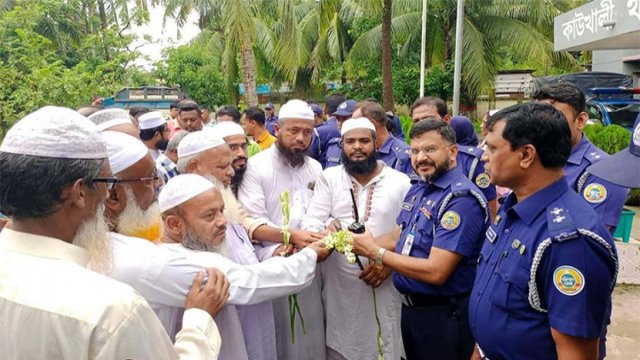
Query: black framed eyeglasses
[[109, 181], [112, 181]]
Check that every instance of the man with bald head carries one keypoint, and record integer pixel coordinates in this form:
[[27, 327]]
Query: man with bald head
[[57, 230]]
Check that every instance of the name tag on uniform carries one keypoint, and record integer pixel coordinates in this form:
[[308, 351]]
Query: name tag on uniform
[[491, 235], [408, 243], [407, 206]]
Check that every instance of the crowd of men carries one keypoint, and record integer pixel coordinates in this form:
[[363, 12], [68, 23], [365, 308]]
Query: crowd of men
[[135, 236]]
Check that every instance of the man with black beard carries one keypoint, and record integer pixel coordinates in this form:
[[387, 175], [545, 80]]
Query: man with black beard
[[437, 241], [378, 191], [286, 167], [154, 132]]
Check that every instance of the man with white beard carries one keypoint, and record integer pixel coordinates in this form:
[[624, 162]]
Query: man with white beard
[[195, 226], [285, 166], [378, 191], [210, 157], [54, 178]]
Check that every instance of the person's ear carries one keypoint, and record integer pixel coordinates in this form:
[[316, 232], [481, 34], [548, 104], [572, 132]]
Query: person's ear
[[117, 200], [447, 118], [276, 128], [77, 193], [581, 120], [174, 226], [528, 154]]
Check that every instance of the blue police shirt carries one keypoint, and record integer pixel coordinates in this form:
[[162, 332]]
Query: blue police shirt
[[270, 124], [397, 155], [556, 236], [398, 125], [469, 160], [326, 132], [450, 214], [606, 198], [333, 154]]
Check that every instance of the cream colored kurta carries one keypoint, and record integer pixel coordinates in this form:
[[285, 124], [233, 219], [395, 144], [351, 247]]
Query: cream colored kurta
[[265, 179], [163, 274], [53, 307], [348, 301]]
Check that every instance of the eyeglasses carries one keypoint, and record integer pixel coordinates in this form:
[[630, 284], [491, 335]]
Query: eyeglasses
[[112, 181], [427, 150]]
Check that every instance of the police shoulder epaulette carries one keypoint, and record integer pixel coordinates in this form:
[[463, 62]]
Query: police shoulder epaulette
[[470, 150], [459, 189], [560, 222]]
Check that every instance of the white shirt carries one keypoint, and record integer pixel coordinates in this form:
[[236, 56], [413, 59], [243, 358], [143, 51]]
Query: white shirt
[[257, 321], [53, 307], [264, 180], [348, 301], [164, 274]]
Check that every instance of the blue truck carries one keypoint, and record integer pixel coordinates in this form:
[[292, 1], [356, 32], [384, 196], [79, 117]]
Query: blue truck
[[151, 97], [611, 97]]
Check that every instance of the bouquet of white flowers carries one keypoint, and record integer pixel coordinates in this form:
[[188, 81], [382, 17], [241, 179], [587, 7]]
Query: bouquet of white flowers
[[294, 307]]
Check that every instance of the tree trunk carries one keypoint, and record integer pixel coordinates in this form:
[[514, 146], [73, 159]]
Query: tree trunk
[[104, 25], [387, 81], [248, 73]]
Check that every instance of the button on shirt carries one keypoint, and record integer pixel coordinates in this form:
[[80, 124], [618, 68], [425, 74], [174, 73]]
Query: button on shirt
[[606, 198], [53, 307], [555, 234], [469, 160], [458, 227]]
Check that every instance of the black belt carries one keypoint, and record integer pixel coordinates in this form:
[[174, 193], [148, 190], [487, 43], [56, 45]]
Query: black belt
[[431, 300]]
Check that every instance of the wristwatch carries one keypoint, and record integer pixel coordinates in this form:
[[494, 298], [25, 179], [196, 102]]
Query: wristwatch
[[379, 264]]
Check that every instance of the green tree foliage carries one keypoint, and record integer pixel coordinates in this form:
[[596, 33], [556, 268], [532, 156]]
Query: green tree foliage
[[49, 57], [195, 71]]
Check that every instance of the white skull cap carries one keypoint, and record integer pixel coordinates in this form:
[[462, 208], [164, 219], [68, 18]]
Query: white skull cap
[[182, 188], [55, 132], [124, 150], [227, 128], [296, 109], [108, 118], [359, 123], [151, 120], [199, 141]]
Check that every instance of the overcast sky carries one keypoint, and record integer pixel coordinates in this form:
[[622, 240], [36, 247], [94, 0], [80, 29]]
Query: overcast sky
[[162, 37]]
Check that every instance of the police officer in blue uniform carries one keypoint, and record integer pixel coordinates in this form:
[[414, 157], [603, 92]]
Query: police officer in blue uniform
[[469, 157], [334, 151], [437, 240], [391, 150], [606, 198], [327, 131], [548, 265]]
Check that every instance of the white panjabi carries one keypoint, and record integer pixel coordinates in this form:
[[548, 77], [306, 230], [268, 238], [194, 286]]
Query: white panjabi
[[108, 118], [182, 188], [151, 120], [227, 128], [123, 150], [296, 109], [55, 132], [359, 123], [199, 141]]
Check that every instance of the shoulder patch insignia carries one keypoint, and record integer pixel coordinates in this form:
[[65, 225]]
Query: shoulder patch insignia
[[483, 181], [450, 220], [594, 193], [568, 280]]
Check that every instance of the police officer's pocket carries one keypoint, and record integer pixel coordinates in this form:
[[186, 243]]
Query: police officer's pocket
[[511, 290]]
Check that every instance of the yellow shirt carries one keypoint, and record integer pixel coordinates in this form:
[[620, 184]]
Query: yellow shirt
[[265, 140]]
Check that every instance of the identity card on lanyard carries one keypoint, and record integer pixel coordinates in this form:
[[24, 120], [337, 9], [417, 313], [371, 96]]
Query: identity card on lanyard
[[408, 242]]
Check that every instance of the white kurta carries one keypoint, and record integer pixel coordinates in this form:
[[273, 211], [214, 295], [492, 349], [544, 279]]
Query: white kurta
[[53, 307], [257, 322], [348, 303], [265, 179], [164, 274]]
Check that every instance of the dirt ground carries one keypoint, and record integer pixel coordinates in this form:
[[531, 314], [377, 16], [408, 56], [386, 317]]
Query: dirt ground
[[623, 341]]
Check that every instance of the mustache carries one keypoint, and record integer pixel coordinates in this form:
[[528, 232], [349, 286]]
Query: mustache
[[426, 162]]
